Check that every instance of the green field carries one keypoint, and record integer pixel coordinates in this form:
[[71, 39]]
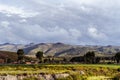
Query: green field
[[89, 71]]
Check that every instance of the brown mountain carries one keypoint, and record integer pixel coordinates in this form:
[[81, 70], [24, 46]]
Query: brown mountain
[[59, 49]]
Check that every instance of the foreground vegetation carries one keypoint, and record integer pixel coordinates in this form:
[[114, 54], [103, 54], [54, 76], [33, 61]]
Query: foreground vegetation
[[76, 71], [92, 70]]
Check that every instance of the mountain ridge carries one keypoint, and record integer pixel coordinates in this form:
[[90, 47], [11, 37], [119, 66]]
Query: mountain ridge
[[59, 49]]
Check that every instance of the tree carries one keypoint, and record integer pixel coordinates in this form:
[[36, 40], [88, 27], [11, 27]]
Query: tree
[[89, 57], [39, 55], [97, 59], [117, 57], [20, 54]]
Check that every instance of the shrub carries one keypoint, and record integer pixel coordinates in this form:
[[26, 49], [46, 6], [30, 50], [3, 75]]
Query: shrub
[[73, 77], [67, 78], [31, 78], [118, 69], [77, 77], [117, 77]]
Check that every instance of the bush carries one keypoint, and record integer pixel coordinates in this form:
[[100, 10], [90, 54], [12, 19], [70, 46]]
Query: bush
[[117, 77], [118, 69], [67, 78], [77, 77], [31, 78], [73, 77]]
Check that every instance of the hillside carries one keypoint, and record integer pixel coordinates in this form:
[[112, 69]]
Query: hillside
[[8, 55], [13, 47], [59, 49], [50, 49]]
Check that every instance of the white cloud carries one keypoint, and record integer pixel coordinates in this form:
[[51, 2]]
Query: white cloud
[[74, 33], [5, 24], [93, 32], [35, 21], [88, 2], [97, 3], [28, 33], [10, 10], [23, 21]]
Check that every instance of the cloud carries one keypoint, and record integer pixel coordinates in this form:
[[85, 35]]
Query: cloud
[[11, 10], [5, 24], [94, 33], [23, 21], [26, 34], [74, 33], [60, 21], [55, 34]]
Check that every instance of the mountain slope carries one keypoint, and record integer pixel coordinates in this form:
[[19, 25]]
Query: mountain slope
[[50, 49], [59, 49]]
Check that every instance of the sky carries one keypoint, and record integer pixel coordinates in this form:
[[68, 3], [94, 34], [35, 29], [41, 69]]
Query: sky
[[79, 22]]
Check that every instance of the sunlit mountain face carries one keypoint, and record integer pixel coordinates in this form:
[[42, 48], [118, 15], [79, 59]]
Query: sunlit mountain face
[[60, 49], [84, 22]]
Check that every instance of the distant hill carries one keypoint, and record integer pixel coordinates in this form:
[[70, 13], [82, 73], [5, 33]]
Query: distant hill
[[13, 47], [50, 49], [8, 55], [60, 49]]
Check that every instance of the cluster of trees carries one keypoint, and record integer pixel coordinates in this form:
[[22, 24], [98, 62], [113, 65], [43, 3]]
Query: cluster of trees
[[89, 57], [117, 57], [39, 55], [21, 57]]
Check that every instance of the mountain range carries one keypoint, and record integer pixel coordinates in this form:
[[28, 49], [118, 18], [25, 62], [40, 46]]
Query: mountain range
[[60, 49]]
